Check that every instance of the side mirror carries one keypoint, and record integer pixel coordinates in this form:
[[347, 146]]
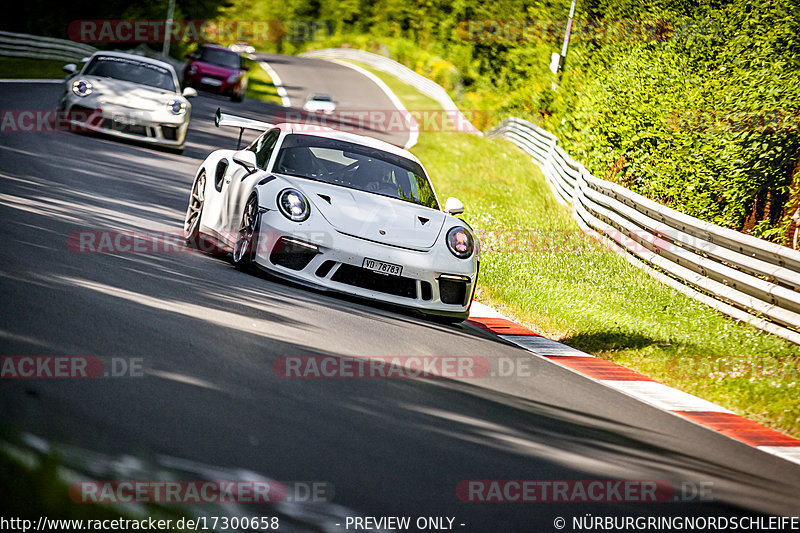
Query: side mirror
[[452, 206], [189, 92], [245, 68], [191, 56], [246, 158], [70, 68]]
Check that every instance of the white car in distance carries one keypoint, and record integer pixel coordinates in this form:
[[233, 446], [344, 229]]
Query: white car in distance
[[319, 103]]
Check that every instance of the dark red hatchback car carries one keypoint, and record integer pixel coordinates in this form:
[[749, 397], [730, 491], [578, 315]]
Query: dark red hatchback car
[[217, 70]]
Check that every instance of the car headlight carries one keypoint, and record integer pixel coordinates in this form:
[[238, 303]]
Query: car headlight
[[293, 205], [232, 78], [176, 107], [192, 69], [81, 88], [460, 242]]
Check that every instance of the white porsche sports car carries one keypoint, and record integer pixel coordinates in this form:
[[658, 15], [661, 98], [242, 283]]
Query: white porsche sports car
[[128, 96], [336, 211]]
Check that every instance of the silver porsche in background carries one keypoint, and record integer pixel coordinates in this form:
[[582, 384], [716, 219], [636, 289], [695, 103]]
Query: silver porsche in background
[[129, 96]]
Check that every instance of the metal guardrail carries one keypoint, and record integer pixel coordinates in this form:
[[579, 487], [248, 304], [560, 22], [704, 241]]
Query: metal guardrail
[[750, 279], [35, 47], [421, 83]]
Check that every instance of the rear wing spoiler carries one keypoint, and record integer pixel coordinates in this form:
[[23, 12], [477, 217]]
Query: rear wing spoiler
[[242, 123]]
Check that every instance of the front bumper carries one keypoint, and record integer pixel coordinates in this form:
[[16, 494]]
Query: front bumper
[[156, 127], [432, 281]]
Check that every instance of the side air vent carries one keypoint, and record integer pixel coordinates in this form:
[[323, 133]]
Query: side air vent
[[292, 254], [453, 289]]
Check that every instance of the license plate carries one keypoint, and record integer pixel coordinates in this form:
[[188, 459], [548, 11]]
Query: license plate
[[211, 81], [382, 268], [122, 120]]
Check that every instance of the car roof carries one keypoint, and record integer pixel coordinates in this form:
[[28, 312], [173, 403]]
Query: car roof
[[314, 130], [143, 59]]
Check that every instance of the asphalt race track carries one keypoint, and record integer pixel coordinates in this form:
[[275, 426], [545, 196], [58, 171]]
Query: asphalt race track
[[351, 91], [210, 403]]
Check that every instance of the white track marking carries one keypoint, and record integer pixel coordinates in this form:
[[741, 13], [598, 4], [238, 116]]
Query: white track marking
[[664, 397], [479, 310], [790, 453], [276, 81], [543, 346]]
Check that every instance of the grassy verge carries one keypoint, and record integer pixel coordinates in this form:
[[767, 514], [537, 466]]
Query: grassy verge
[[411, 98], [260, 86], [24, 68], [538, 268], [39, 489]]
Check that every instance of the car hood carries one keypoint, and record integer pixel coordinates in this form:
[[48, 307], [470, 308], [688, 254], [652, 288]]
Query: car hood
[[129, 94], [373, 217], [214, 70]]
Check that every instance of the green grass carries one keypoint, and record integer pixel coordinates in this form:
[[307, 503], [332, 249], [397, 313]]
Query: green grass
[[31, 68], [260, 86], [539, 268], [39, 489]]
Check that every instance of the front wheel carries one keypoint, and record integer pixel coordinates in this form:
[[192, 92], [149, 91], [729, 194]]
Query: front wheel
[[247, 240], [191, 224]]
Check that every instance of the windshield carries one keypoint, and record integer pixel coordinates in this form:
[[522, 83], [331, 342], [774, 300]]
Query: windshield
[[123, 68], [221, 58], [356, 167]]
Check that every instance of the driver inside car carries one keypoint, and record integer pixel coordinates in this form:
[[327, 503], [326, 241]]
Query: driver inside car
[[385, 182]]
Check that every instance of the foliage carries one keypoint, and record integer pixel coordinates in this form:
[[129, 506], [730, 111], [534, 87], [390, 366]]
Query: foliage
[[699, 118], [699, 100], [52, 19]]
